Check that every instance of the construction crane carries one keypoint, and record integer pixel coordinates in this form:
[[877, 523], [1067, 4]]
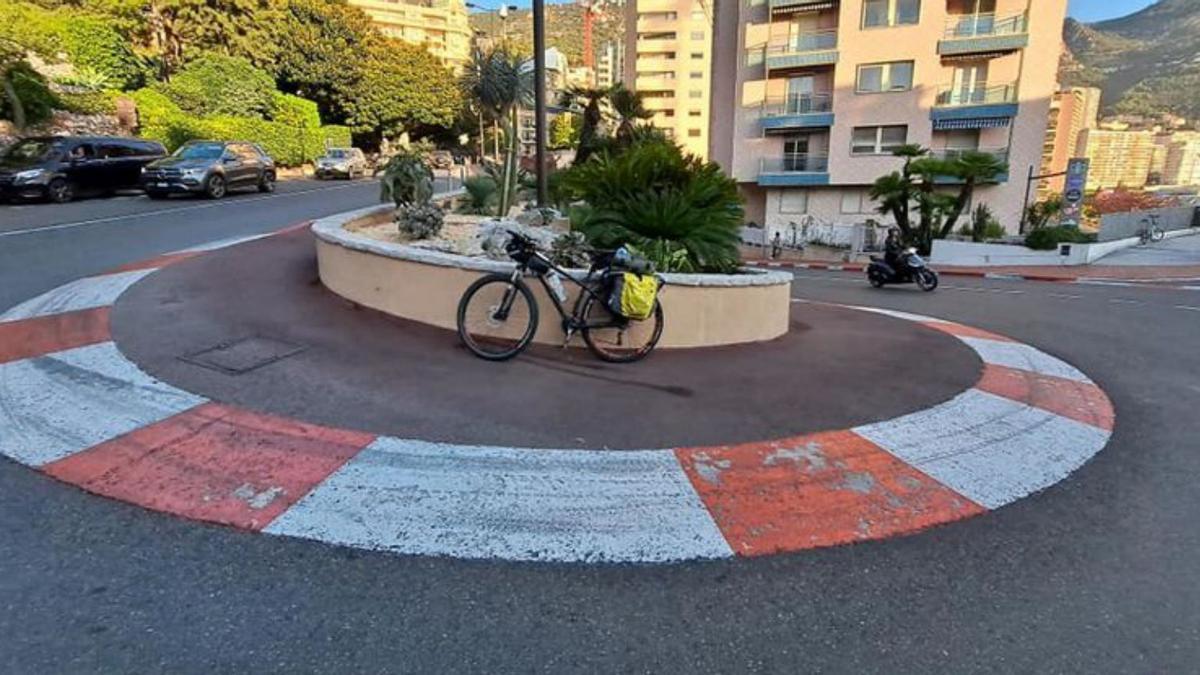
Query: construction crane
[[591, 10]]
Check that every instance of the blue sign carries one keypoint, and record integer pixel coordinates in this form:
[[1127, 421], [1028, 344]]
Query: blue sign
[[1072, 210]]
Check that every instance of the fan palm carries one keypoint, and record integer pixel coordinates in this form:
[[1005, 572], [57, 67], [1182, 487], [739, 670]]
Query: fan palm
[[591, 100], [499, 84], [972, 168], [629, 107]]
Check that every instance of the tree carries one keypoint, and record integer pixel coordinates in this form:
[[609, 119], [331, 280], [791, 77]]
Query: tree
[[564, 131], [972, 168], [629, 107], [321, 47], [402, 86], [221, 85], [591, 101], [500, 85]]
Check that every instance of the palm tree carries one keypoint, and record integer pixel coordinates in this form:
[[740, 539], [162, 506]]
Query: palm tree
[[591, 100], [972, 168], [629, 107], [500, 85]]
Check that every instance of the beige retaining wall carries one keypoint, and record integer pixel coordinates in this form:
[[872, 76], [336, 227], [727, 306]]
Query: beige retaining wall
[[425, 286]]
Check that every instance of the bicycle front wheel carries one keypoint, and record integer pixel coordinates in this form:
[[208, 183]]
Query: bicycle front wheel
[[1157, 234], [618, 340], [497, 317]]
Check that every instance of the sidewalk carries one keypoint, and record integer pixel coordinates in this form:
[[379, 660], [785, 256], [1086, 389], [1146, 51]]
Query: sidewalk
[[1082, 273]]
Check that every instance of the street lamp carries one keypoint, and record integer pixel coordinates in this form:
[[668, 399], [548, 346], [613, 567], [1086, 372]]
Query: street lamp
[[502, 12]]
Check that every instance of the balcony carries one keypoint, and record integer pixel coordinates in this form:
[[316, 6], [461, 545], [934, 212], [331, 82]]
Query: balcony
[[785, 8], [984, 34], [978, 107], [797, 111], [801, 51], [794, 171]]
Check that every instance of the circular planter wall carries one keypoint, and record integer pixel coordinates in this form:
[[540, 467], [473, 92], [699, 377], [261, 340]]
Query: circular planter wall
[[702, 310]]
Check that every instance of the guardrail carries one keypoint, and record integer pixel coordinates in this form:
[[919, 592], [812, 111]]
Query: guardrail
[[951, 96], [795, 163], [984, 25], [951, 154], [797, 104]]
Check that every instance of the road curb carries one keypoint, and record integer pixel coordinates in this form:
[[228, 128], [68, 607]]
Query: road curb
[[81, 412]]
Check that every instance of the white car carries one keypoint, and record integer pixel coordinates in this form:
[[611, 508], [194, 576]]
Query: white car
[[341, 163]]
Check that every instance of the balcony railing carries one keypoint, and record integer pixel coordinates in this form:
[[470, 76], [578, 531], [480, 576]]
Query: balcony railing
[[795, 163], [805, 42], [797, 104], [963, 26], [951, 96], [951, 154]]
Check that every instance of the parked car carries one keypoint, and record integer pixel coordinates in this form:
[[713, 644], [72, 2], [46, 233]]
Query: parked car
[[61, 168], [341, 162], [210, 168]]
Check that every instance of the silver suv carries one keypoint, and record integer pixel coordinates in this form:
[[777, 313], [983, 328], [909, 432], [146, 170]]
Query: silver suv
[[341, 163], [210, 168]]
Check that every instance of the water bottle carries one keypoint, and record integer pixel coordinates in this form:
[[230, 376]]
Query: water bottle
[[556, 286]]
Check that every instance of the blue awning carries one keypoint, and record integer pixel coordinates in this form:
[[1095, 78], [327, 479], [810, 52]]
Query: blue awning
[[971, 123]]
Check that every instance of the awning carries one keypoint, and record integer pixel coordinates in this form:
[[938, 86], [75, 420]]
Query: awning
[[971, 123], [810, 7], [976, 56]]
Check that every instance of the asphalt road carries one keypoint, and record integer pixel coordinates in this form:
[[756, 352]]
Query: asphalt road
[[1097, 574]]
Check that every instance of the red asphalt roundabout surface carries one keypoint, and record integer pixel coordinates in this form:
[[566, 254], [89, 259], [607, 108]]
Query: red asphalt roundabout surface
[[74, 407]]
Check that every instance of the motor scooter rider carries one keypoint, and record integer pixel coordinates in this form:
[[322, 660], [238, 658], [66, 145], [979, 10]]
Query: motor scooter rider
[[892, 250]]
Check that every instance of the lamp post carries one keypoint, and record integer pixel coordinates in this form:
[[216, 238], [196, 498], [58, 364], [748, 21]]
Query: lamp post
[[539, 97]]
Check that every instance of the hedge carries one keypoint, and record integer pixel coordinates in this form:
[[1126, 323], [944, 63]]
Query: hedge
[[215, 84], [1048, 238], [289, 144]]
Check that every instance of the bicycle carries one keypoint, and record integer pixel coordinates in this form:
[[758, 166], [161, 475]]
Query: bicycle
[[498, 315], [1151, 231]]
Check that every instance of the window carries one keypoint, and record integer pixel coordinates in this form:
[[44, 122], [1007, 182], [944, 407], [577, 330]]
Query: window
[[693, 133], [877, 140], [656, 36], [697, 55], [695, 93], [696, 76], [793, 201], [695, 113], [883, 13], [663, 16], [855, 201], [666, 113], [697, 35], [875, 78]]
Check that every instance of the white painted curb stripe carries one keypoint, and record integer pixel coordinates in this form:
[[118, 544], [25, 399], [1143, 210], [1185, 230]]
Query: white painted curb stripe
[[990, 449], [517, 504], [86, 293], [1022, 357], [54, 406]]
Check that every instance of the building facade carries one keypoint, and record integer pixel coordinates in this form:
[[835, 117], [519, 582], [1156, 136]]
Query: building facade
[[1118, 158], [811, 96], [1071, 111], [441, 26], [610, 64], [668, 58], [1183, 159]]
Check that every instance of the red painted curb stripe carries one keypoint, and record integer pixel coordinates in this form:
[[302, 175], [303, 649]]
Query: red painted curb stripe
[[959, 330], [155, 262], [29, 338], [214, 463], [1080, 401], [816, 490]]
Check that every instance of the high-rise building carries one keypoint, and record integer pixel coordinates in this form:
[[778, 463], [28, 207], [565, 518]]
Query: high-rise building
[[440, 26], [1183, 159], [1117, 158], [610, 64], [812, 96], [1071, 111], [668, 58]]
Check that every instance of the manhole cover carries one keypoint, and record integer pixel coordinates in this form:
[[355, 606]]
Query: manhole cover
[[244, 355]]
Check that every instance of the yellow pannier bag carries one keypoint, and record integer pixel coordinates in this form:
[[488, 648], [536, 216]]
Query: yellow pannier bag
[[634, 295]]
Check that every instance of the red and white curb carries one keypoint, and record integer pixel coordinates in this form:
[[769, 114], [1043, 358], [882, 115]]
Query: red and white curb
[[72, 406]]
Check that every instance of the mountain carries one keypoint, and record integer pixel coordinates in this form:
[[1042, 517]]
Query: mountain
[[1146, 63], [564, 28]]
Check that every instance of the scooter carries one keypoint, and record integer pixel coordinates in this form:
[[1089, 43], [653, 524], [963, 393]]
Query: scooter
[[911, 269]]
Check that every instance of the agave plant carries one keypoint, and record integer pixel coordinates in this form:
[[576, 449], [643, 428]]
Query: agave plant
[[407, 179]]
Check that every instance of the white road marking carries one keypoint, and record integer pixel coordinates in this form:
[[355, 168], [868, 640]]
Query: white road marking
[[987, 448], [181, 209], [54, 406], [1064, 296], [1188, 308], [1125, 301], [86, 293], [518, 504], [1022, 357]]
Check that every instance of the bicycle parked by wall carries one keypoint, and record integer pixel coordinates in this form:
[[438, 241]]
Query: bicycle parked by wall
[[498, 315], [1150, 230]]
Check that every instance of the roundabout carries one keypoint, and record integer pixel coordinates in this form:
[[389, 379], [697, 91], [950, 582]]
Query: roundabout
[[231, 388]]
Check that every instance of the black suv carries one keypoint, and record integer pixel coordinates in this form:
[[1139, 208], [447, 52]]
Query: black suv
[[60, 168], [210, 168]]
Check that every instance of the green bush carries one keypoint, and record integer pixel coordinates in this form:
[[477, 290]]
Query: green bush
[[295, 111], [420, 220], [654, 198], [407, 179], [36, 98], [89, 102], [481, 195], [92, 44], [1048, 238], [215, 84]]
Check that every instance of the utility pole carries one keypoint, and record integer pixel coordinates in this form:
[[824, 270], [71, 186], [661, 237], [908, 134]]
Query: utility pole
[[539, 98]]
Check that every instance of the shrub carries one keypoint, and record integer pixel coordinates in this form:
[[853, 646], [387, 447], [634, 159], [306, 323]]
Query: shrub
[[420, 220], [89, 102], [215, 84], [36, 98], [654, 198], [92, 44], [481, 195], [571, 249], [407, 179], [1048, 238], [295, 111]]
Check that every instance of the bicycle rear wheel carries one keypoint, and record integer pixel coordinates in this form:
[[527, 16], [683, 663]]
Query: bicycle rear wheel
[[497, 317], [618, 340]]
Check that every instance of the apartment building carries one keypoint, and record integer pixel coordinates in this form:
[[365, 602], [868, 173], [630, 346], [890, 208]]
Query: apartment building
[[1071, 111], [811, 96], [1118, 158], [1183, 159], [668, 58], [439, 25], [610, 64]]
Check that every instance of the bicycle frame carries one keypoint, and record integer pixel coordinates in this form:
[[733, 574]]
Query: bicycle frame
[[572, 321]]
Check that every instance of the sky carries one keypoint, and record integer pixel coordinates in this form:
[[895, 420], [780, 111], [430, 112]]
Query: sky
[[1099, 10]]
